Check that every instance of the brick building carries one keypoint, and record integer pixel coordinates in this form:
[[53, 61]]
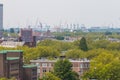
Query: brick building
[[44, 65], [29, 72], [26, 36], [11, 65]]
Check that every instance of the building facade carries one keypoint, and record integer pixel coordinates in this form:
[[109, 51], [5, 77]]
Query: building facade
[[26, 35], [29, 72], [44, 65], [11, 65]]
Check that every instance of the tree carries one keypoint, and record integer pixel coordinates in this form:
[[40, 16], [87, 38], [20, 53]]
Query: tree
[[63, 69], [75, 54], [12, 30], [3, 78], [50, 76], [83, 44], [104, 67], [59, 37]]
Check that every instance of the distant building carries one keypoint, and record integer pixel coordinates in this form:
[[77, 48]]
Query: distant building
[[1, 19], [11, 65], [26, 35], [43, 35], [11, 44], [45, 65]]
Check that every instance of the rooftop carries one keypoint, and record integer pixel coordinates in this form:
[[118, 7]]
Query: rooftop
[[71, 60], [11, 44], [14, 50], [12, 58], [29, 66], [5, 51]]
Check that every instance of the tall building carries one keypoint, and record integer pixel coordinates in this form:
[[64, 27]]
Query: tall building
[[11, 65], [1, 16], [1, 19]]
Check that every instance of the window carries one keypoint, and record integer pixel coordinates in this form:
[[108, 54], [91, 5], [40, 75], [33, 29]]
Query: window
[[44, 70], [86, 65], [81, 65], [14, 75], [38, 70], [14, 66], [81, 72], [49, 64], [44, 64], [34, 71], [38, 65]]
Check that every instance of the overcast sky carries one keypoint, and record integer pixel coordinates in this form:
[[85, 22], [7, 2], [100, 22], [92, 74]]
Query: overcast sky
[[88, 12]]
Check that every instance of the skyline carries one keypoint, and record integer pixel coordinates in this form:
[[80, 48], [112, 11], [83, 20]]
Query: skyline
[[54, 12]]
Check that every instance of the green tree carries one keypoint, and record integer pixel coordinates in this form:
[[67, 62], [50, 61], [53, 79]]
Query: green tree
[[3, 78], [12, 30], [63, 69], [75, 54], [59, 37], [50, 76], [83, 44], [104, 67]]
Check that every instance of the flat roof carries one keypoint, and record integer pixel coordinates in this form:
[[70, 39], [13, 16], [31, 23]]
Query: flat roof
[[29, 66], [14, 50], [12, 58], [5, 51], [71, 60]]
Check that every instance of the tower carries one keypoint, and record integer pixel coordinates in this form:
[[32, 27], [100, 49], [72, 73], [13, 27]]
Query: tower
[[1, 19]]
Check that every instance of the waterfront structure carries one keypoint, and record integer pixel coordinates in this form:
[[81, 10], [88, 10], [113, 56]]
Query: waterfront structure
[[11, 65], [45, 65]]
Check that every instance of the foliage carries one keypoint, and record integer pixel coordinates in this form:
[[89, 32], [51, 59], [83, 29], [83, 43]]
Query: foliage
[[63, 69], [13, 78], [108, 33], [75, 53], [83, 44], [12, 30], [50, 76], [104, 67], [3, 78], [59, 37], [58, 45]]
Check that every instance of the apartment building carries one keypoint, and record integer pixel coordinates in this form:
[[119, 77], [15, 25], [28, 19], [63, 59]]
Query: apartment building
[[45, 65], [30, 72], [11, 65]]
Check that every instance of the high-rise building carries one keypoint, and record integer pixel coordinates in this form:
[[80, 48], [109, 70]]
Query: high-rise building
[[1, 19], [1, 16]]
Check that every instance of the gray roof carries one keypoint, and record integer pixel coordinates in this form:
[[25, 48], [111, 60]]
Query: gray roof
[[11, 44]]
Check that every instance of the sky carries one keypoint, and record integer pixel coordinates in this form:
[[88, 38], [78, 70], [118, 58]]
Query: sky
[[54, 12]]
